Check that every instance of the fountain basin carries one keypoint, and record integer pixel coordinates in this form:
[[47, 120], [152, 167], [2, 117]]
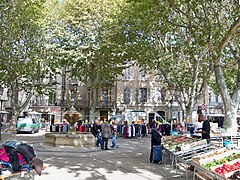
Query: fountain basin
[[85, 139]]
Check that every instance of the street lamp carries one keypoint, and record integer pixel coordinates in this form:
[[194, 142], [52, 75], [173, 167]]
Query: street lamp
[[1, 99], [1, 93], [172, 92]]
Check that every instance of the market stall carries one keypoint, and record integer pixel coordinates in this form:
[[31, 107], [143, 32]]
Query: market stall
[[209, 161], [218, 164], [181, 150]]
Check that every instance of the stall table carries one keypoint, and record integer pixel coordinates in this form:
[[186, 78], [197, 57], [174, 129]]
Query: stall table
[[202, 173], [184, 158]]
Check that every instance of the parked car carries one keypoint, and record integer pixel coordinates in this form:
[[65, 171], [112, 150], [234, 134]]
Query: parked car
[[26, 124]]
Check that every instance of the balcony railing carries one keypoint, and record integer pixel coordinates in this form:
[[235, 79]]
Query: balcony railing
[[82, 104], [215, 103], [105, 104]]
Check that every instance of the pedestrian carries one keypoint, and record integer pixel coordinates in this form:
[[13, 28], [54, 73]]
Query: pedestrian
[[131, 130], [78, 125], [180, 128], [125, 129], [205, 130], [155, 141], [65, 126], [96, 133], [144, 129], [152, 124], [192, 130], [114, 134], [106, 134]]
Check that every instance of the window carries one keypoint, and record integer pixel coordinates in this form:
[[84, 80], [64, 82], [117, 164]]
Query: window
[[126, 95], [128, 73], [105, 98], [142, 95], [142, 75], [158, 95], [52, 79], [52, 98], [73, 95]]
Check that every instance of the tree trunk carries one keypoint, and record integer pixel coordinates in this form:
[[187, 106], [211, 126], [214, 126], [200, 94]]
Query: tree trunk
[[92, 105], [13, 121], [230, 103], [188, 113], [230, 120], [17, 106]]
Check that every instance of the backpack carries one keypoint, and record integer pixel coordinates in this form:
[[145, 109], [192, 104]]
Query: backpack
[[3, 155], [17, 150]]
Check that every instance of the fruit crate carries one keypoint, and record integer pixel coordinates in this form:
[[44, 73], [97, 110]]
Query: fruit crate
[[217, 157], [203, 173], [230, 170]]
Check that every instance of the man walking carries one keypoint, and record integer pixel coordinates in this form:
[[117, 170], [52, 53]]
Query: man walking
[[106, 134], [96, 133]]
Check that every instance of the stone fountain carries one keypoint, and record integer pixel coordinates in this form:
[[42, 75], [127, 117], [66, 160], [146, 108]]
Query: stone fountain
[[71, 138]]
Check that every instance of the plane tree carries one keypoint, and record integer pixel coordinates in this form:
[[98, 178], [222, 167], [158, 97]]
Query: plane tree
[[22, 52], [83, 34], [159, 46], [215, 25], [186, 42]]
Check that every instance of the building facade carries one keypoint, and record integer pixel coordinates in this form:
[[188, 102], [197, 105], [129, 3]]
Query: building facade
[[134, 89]]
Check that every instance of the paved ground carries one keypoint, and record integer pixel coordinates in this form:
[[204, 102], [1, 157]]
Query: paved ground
[[128, 161]]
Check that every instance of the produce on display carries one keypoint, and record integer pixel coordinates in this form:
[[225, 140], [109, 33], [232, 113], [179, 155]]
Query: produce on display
[[223, 162], [213, 153], [227, 168], [226, 159], [176, 143]]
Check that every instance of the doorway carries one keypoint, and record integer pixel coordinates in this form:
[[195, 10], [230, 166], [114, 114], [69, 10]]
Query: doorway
[[103, 115]]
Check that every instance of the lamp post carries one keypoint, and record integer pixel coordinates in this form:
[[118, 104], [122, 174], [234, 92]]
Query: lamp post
[[1, 93], [172, 92], [1, 99]]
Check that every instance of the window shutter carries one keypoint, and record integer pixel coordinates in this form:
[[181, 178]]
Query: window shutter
[[137, 95], [148, 95]]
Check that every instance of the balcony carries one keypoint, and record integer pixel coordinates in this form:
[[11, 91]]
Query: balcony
[[82, 104], [105, 104], [215, 103]]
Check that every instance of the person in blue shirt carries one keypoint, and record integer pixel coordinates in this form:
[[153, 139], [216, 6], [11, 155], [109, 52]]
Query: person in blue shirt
[[114, 134]]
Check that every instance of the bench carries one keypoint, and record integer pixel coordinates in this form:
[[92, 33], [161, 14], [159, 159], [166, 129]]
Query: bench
[[20, 175]]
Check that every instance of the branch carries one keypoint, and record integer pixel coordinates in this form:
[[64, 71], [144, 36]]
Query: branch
[[165, 74], [178, 10], [228, 35], [208, 22]]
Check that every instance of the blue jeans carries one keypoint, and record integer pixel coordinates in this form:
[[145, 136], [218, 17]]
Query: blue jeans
[[114, 140], [99, 140]]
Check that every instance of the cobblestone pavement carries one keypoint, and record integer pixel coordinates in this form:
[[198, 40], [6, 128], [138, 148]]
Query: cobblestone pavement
[[129, 161]]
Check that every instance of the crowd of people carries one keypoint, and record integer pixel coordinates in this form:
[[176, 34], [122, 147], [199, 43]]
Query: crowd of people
[[103, 132]]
